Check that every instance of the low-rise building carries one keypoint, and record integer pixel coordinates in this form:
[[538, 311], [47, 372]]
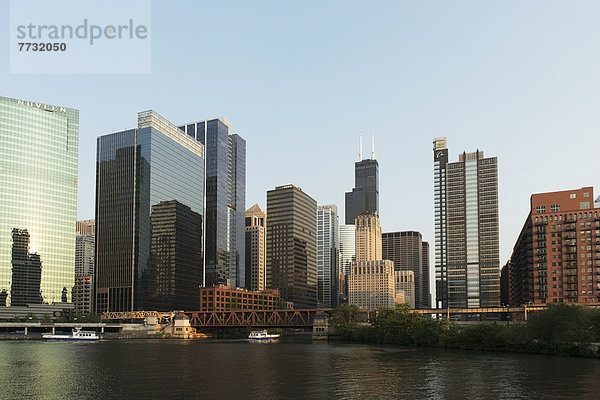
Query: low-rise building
[[224, 298]]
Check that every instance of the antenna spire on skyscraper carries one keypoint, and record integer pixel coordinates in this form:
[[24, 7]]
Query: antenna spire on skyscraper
[[373, 145], [360, 147]]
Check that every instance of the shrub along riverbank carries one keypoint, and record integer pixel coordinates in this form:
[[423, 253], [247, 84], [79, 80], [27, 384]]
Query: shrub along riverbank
[[566, 330]]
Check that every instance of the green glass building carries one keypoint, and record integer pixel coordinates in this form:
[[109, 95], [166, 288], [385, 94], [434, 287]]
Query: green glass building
[[38, 201]]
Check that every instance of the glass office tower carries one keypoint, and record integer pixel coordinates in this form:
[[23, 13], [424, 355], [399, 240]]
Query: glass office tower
[[225, 257], [328, 255], [364, 197], [38, 195], [149, 201]]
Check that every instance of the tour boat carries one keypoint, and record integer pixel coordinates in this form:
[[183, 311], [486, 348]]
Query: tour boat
[[262, 335], [77, 335]]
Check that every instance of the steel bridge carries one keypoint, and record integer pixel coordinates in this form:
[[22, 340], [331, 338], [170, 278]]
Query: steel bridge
[[254, 318]]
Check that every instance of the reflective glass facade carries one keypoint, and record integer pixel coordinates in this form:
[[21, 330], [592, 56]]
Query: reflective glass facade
[[136, 170], [38, 191], [328, 261], [225, 201]]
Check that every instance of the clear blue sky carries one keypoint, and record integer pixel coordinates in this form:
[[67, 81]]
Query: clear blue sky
[[300, 80]]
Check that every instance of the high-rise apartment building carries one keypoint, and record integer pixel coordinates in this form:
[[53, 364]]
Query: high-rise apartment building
[[364, 197], [83, 300], [409, 253], [149, 183], [256, 246], [368, 238], [328, 253], [225, 201], [292, 245], [86, 227], [38, 192], [347, 255], [84, 255], [466, 229], [556, 258], [372, 284]]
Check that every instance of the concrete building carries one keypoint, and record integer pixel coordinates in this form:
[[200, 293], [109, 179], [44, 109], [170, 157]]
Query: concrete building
[[83, 300], [38, 195], [368, 238], [225, 201], [466, 229], [372, 284], [364, 197], [292, 245], [328, 262], [86, 227], [256, 246], [556, 258], [409, 253], [137, 170], [84, 255], [405, 285]]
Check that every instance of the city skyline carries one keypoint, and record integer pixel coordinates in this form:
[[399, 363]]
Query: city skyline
[[487, 77]]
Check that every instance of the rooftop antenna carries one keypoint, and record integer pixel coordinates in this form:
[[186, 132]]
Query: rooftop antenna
[[360, 147], [373, 145]]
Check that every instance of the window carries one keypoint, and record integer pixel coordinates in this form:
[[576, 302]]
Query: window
[[586, 194], [584, 205], [555, 207], [573, 195], [540, 209]]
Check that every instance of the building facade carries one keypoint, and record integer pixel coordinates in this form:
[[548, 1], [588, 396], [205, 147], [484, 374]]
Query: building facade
[[175, 264], [328, 253], [84, 255], [86, 227], [556, 258], [364, 197], [292, 245], [372, 284], [405, 285], [368, 238], [224, 298], [83, 300], [225, 201], [466, 229], [347, 257], [406, 249], [136, 170], [38, 191], [256, 246]]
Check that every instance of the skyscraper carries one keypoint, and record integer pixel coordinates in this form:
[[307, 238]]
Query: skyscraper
[[38, 192], [84, 255], [136, 171], [328, 248], [86, 227], [466, 229], [256, 246], [409, 253], [364, 197], [372, 284], [556, 258], [175, 265], [347, 255], [225, 201], [292, 245], [368, 238]]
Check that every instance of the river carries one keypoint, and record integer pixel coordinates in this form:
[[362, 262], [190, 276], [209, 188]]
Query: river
[[292, 368]]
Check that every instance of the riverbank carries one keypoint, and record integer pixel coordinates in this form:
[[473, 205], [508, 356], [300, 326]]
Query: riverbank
[[561, 330]]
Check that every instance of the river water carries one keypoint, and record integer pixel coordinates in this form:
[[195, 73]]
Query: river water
[[292, 368]]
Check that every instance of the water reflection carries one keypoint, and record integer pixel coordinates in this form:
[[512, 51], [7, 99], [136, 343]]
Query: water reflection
[[287, 369]]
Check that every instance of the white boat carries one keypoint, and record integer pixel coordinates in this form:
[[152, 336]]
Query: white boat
[[262, 335], [77, 335]]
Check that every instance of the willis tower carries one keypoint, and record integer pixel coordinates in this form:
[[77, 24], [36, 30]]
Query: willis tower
[[364, 197]]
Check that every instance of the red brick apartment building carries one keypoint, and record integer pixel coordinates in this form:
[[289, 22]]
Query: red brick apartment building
[[224, 298], [557, 256]]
